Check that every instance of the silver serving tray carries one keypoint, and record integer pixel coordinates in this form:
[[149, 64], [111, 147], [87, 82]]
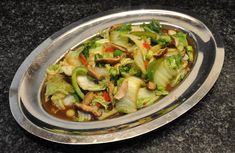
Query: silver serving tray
[[24, 96]]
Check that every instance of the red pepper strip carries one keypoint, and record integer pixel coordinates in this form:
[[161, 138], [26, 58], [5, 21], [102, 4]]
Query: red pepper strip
[[106, 96], [98, 105], [146, 64], [83, 59], [146, 45], [109, 49]]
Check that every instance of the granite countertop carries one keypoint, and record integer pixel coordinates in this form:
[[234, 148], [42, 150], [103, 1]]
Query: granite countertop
[[207, 127]]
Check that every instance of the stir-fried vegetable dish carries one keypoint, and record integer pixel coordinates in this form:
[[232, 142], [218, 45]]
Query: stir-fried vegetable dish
[[122, 69]]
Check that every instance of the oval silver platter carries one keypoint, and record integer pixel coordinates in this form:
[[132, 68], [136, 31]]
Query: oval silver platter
[[25, 89]]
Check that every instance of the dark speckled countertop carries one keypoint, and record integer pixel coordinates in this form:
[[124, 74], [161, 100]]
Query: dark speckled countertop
[[208, 127]]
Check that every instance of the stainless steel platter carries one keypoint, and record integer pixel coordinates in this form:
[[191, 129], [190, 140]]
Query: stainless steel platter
[[25, 89]]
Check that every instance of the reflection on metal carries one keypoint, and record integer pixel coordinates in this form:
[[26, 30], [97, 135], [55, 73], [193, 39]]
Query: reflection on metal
[[25, 89]]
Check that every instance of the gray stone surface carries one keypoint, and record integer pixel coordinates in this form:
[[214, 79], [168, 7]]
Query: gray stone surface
[[208, 127]]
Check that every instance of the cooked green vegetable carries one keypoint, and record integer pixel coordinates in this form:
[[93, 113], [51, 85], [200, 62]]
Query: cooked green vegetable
[[82, 116], [128, 103], [117, 53], [56, 84], [145, 98], [154, 26], [189, 50], [87, 84], [54, 69], [119, 71], [139, 60], [78, 71], [138, 41]]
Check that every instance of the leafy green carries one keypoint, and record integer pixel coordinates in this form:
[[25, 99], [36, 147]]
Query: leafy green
[[101, 101], [78, 71], [89, 45], [56, 84], [139, 60], [164, 40], [128, 103], [86, 84], [72, 57], [189, 50], [179, 77], [145, 34], [54, 69], [145, 98], [113, 71], [57, 100], [117, 53], [124, 69], [154, 26], [86, 51], [124, 28], [134, 70], [82, 116], [160, 91], [149, 55], [138, 41], [117, 38], [182, 38], [119, 81], [174, 61], [160, 72], [152, 67]]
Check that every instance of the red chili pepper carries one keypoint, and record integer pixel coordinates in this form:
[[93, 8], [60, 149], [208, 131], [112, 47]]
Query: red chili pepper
[[146, 45], [109, 49], [106, 96], [146, 64], [98, 105], [83, 59]]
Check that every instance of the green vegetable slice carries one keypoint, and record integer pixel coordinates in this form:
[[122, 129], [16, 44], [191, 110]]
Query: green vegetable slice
[[82, 116], [117, 53], [78, 71], [145, 98], [57, 100], [154, 26], [86, 84], [138, 41], [117, 38], [54, 69], [128, 103], [139, 60], [189, 50], [161, 71], [56, 84]]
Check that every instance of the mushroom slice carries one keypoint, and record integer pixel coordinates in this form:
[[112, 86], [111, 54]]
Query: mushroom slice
[[110, 90], [88, 109], [160, 53], [118, 47], [122, 90], [111, 61], [88, 98], [93, 73]]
